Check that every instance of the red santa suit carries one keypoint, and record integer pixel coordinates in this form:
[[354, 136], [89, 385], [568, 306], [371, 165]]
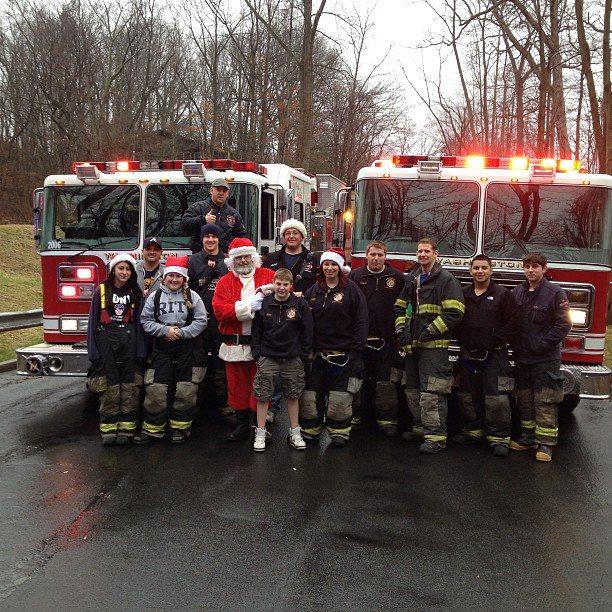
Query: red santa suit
[[232, 305]]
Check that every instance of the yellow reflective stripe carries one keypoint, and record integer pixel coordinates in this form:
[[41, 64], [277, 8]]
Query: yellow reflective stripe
[[528, 424], [435, 437], [429, 309], [312, 431], [400, 321], [432, 344], [456, 304], [546, 431], [180, 424], [127, 425], [401, 303], [108, 427], [440, 325], [384, 422], [102, 294], [154, 429], [474, 433], [339, 431], [498, 439]]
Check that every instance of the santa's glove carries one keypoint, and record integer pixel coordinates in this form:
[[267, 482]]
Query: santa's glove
[[265, 289], [256, 302]]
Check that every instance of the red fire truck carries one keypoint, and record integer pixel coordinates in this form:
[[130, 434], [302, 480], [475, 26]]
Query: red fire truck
[[84, 218], [503, 207]]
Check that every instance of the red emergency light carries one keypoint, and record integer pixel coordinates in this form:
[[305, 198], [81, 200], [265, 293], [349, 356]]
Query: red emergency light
[[132, 165]]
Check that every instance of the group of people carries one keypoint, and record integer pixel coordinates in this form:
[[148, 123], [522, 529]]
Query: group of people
[[334, 345]]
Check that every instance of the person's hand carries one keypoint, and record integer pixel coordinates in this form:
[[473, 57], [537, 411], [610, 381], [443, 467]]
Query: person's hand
[[265, 289], [256, 302], [174, 333], [298, 294], [210, 217]]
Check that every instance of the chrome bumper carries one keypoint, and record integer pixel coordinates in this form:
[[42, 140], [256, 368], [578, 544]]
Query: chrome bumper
[[590, 382], [52, 360]]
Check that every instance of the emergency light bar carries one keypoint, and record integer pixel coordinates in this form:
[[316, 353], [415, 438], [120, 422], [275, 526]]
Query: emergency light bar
[[87, 172], [194, 170], [133, 165], [479, 162]]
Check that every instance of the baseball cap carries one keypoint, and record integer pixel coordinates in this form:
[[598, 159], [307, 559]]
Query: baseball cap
[[220, 182], [152, 240]]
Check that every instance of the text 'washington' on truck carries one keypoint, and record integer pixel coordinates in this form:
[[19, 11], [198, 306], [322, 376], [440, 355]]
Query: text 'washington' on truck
[[504, 208], [83, 219]]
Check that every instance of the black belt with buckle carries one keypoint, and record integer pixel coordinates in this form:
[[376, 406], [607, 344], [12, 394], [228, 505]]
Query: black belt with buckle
[[236, 339]]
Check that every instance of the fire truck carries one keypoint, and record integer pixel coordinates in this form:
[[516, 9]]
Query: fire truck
[[83, 219], [504, 208]]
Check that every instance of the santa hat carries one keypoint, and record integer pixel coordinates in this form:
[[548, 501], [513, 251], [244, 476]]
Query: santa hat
[[178, 265], [337, 258], [238, 247], [119, 258], [293, 224]]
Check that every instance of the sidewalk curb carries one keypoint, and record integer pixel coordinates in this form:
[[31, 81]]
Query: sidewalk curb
[[6, 366]]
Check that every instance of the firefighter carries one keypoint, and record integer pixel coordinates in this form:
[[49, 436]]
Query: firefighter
[[150, 271], [213, 209], [340, 316], [293, 256], [539, 383], [426, 313], [116, 346], [237, 298], [492, 319], [205, 270], [381, 284], [174, 316]]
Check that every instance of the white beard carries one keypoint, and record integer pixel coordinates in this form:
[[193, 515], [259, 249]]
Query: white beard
[[244, 270]]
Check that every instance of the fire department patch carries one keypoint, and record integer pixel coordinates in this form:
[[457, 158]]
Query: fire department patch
[[390, 282], [291, 312], [119, 310], [231, 220], [338, 297]]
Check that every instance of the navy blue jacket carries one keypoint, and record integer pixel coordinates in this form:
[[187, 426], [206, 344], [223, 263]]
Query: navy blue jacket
[[545, 323], [304, 271], [282, 329]]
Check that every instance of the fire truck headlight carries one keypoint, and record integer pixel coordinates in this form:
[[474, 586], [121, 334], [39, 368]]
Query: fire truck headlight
[[579, 316], [578, 297], [73, 325]]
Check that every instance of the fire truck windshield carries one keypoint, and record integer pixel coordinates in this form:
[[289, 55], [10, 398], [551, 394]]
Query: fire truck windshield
[[87, 215], [399, 212], [564, 222], [166, 204]]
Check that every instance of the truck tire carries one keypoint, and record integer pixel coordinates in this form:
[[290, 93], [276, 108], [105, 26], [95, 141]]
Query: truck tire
[[568, 405]]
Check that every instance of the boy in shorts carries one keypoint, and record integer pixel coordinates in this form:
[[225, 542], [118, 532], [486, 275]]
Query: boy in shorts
[[281, 342]]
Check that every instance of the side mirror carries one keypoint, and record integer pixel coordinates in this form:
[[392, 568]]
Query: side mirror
[[38, 206], [290, 202]]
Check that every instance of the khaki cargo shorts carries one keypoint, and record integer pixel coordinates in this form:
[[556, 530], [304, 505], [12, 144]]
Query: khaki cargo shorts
[[290, 372]]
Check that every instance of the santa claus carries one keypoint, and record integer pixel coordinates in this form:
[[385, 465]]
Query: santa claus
[[238, 296]]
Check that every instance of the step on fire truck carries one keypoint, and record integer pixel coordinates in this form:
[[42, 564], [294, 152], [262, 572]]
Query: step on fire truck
[[504, 208], [82, 220]]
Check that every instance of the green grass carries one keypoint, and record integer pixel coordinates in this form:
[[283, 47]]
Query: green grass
[[19, 269], [9, 341]]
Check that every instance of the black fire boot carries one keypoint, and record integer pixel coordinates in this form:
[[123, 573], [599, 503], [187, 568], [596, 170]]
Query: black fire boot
[[244, 420]]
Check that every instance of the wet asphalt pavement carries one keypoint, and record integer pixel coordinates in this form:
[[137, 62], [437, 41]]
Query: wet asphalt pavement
[[213, 525]]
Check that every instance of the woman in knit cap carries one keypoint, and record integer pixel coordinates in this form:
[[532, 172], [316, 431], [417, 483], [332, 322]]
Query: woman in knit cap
[[175, 316], [340, 315], [116, 345]]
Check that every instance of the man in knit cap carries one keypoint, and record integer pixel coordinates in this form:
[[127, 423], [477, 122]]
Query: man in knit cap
[[238, 296]]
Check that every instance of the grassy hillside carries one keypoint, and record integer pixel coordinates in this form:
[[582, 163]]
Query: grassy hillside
[[19, 283]]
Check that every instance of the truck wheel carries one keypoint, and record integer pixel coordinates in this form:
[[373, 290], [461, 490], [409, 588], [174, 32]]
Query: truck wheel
[[568, 405]]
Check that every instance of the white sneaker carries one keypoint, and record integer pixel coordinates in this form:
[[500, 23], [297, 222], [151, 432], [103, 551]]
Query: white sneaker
[[260, 440], [295, 439]]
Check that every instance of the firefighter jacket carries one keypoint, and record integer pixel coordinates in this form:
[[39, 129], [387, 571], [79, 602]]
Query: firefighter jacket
[[491, 320], [340, 317], [381, 290], [203, 279], [151, 283], [227, 218], [282, 329], [122, 309], [173, 310], [304, 271], [427, 313], [545, 322]]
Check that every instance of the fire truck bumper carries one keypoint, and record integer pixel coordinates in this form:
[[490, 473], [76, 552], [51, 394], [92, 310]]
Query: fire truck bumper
[[589, 382], [53, 360]]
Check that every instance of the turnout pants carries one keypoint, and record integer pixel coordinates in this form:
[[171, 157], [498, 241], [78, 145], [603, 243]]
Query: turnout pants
[[483, 397], [328, 396], [176, 369], [539, 389], [429, 379], [214, 386], [116, 379], [379, 391]]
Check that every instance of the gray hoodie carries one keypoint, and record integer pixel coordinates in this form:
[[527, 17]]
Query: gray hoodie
[[173, 311]]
